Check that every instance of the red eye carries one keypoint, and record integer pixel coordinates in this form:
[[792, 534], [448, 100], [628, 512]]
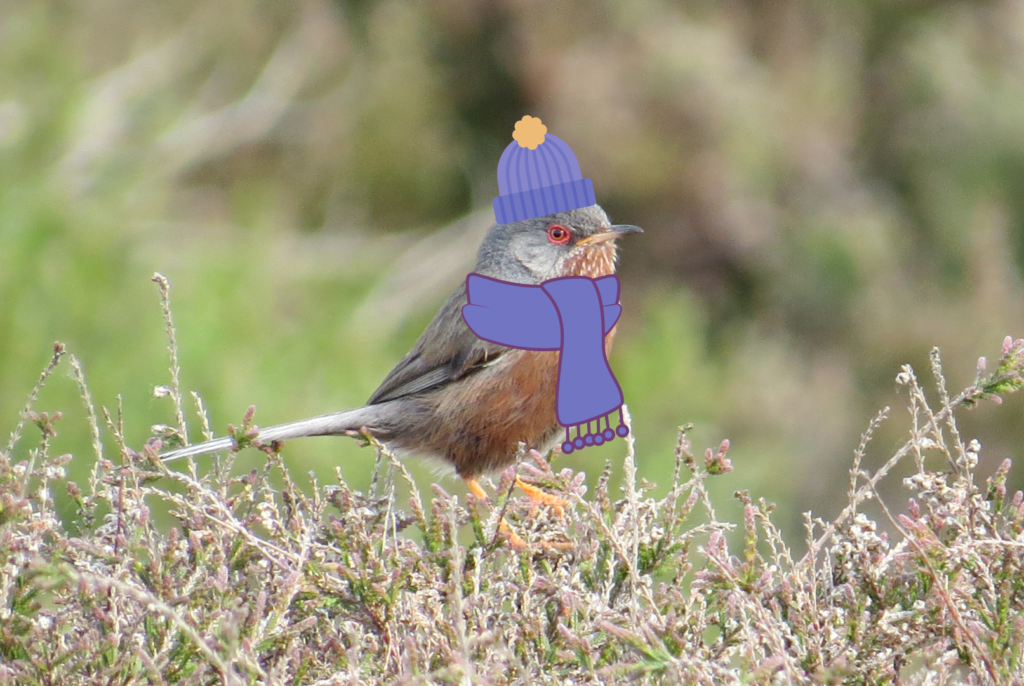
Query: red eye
[[557, 234]]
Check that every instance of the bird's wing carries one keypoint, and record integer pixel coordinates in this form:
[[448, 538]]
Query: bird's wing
[[446, 351]]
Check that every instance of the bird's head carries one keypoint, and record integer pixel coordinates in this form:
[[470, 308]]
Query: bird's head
[[579, 242]]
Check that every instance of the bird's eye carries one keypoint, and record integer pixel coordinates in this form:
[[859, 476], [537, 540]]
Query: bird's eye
[[557, 234]]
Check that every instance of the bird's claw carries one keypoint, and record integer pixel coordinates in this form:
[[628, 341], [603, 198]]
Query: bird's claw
[[539, 497]]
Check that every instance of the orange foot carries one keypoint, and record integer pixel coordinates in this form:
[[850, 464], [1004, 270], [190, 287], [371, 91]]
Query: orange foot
[[539, 497], [515, 541]]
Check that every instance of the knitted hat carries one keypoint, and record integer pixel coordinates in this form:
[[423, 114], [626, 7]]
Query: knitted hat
[[537, 175]]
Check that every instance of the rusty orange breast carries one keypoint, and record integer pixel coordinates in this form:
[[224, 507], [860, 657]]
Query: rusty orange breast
[[482, 418]]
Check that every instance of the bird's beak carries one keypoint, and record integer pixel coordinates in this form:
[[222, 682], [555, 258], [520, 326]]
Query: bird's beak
[[609, 234]]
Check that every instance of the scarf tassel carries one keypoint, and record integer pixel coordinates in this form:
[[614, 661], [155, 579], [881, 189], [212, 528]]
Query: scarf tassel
[[585, 438]]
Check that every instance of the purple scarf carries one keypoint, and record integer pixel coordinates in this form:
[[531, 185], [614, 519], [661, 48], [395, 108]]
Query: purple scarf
[[572, 314]]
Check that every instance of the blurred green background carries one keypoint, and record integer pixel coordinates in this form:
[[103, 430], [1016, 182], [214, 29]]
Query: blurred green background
[[828, 190]]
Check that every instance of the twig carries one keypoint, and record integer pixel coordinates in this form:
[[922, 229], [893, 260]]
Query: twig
[[172, 348], [58, 352]]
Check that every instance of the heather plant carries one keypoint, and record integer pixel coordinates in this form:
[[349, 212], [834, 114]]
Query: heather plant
[[269, 577]]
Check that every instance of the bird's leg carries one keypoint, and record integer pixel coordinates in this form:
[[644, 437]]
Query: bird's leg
[[539, 497], [514, 540], [476, 489]]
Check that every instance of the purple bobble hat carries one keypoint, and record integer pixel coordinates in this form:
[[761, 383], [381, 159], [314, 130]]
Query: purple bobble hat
[[537, 175]]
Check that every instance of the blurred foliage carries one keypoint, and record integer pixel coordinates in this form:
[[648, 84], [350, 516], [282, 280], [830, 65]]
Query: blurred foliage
[[828, 189]]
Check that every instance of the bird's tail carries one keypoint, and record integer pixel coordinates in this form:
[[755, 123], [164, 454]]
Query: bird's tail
[[324, 425]]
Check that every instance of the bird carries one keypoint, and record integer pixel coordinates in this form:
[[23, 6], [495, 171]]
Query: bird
[[464, 400], [471, 402]]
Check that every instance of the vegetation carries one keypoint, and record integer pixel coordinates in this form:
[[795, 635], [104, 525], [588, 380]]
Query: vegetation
[[261, 581]]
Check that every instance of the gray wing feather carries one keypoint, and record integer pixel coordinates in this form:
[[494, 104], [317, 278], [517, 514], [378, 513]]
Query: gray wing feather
[[446, 351]]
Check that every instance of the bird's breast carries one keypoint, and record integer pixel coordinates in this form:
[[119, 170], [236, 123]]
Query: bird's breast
[[482, 418]]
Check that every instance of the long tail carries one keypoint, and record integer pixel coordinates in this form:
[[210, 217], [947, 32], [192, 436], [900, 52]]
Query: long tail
[[324, 425]]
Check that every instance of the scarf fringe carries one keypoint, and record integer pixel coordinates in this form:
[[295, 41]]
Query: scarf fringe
[[585, 438]]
